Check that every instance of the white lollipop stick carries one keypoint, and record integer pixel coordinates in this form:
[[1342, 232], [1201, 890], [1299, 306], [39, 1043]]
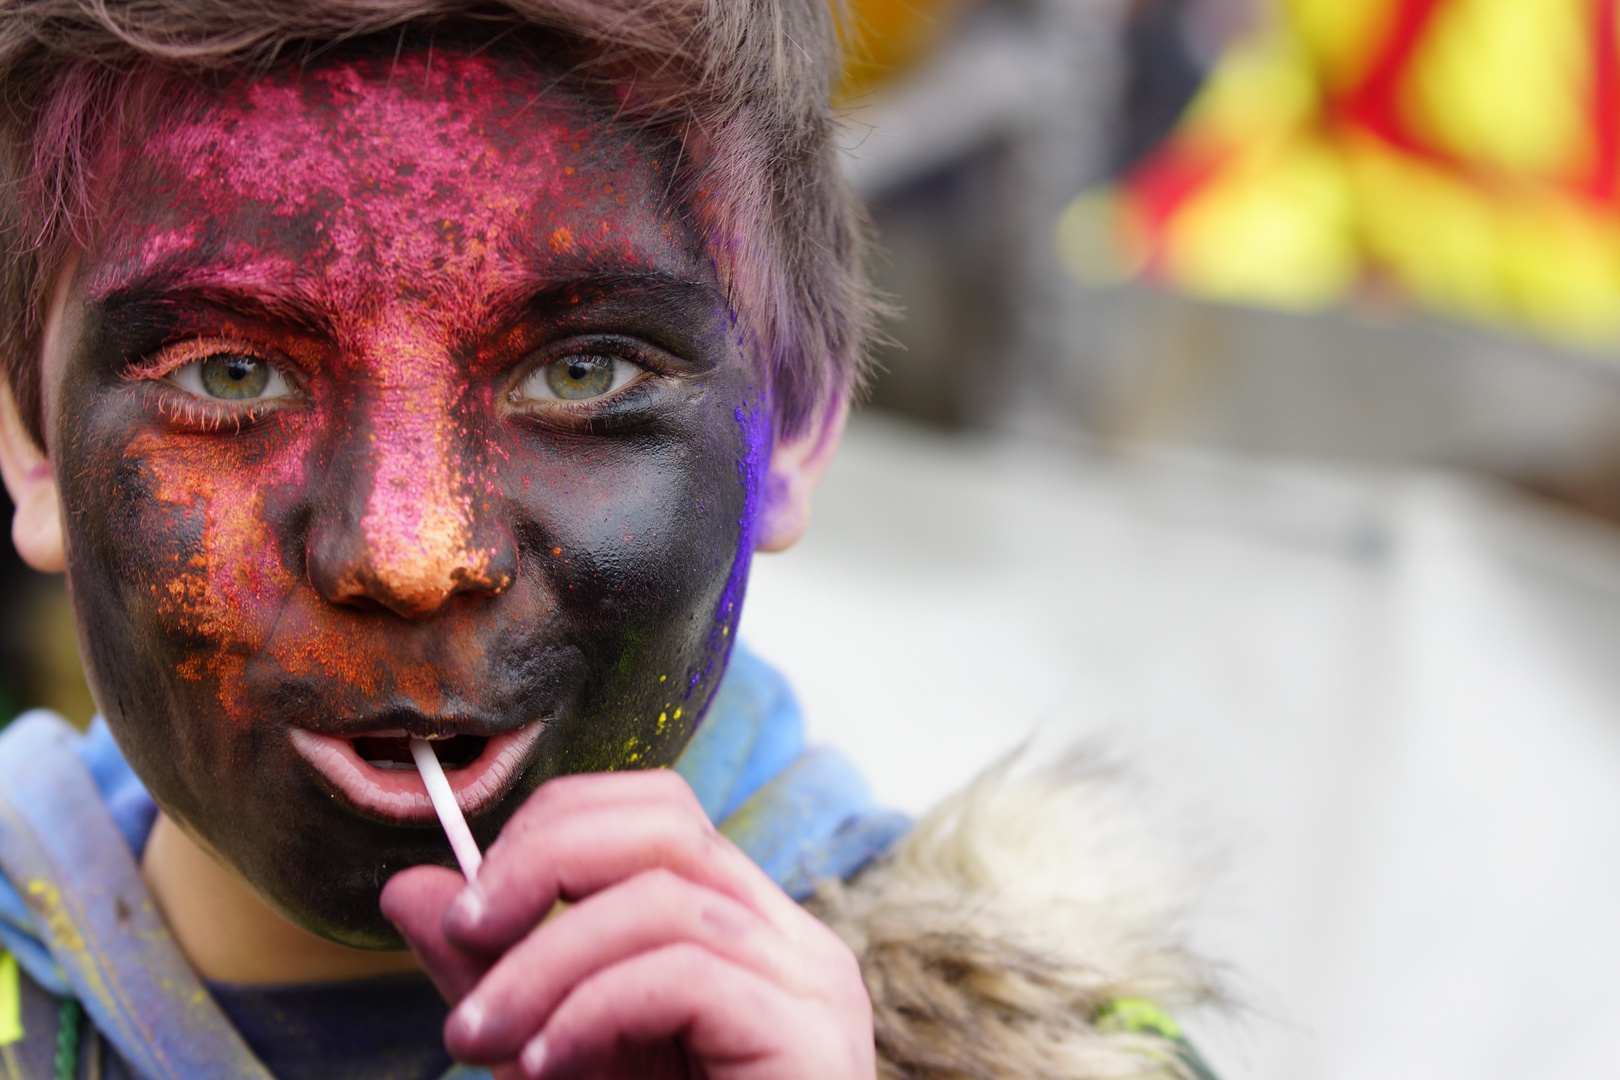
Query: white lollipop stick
[[449, 811]]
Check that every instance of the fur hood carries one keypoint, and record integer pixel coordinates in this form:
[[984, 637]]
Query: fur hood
[[999, 938]]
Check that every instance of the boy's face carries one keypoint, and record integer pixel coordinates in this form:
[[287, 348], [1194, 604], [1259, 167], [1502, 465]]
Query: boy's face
[[394, 398]]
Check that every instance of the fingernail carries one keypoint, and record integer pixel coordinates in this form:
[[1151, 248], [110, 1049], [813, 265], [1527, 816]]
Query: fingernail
[[533, 1058], [469, 1017], [468, 909]]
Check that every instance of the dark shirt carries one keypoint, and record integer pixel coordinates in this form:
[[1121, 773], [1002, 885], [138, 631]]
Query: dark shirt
[[372, 1029]]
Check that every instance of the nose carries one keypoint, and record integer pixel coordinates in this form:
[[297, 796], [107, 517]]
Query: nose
[[408, 518]]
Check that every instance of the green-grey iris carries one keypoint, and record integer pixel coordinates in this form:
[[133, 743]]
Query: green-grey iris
[[233, 376], [575, 378]]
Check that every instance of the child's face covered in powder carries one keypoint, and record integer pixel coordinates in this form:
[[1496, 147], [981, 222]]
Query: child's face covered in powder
[[393, 397]]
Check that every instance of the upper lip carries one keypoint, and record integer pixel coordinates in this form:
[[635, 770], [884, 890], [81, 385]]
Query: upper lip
[[397, 723]]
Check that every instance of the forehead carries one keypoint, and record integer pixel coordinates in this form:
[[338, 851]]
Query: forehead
[[437, 172]]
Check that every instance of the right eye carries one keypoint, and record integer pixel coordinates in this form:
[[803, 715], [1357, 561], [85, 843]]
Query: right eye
[[577, 377], [232, 376]]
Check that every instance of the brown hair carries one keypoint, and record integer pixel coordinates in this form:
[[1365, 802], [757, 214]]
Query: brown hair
[[745, 84]]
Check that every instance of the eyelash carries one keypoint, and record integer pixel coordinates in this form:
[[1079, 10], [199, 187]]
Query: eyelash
[[210, 417], [182, 408], [627, 351]]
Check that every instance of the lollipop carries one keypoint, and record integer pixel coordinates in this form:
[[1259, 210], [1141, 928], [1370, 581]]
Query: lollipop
[[445, 805]]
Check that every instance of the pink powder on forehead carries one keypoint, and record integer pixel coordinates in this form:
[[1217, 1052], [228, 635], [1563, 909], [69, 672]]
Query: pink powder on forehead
[[433, 170]]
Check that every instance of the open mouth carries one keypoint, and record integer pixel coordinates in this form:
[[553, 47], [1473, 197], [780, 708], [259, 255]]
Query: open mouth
[[394, 751], [374, 770]]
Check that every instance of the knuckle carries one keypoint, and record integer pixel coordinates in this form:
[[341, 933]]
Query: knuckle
[[850, 976], [544, 801], [709, 842], [520, 851], [560, 790], [840, 966], [687, 840], [667, 780], [688, 956], [675, 898], [658, 881], [671, 785], [724, 919]]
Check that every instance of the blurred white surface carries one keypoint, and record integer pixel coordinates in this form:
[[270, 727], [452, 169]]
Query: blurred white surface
[[1389, 701]]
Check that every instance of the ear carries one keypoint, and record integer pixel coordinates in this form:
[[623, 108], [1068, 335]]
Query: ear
[[795, 471], [36, 528]]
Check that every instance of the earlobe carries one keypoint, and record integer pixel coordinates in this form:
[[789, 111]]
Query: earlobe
[[36, 528], [795, 470]]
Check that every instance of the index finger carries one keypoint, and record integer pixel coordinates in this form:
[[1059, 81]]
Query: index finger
[[572, 848]]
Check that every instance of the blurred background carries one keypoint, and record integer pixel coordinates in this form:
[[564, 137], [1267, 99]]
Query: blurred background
[[1252, 414]]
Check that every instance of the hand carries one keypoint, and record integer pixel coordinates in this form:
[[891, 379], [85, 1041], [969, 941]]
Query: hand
[[678, 957]]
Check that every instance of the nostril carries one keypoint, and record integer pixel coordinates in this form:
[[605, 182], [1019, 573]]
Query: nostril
[[409, 596], [359, 601], [409, 600], [491, 577]]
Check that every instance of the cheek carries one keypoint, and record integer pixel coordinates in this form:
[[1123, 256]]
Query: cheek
[[625, 529], [187, 546]]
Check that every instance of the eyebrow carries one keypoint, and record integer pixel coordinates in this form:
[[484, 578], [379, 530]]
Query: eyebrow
[[595, 290], [297, 303], [305, 319], [171, 283]]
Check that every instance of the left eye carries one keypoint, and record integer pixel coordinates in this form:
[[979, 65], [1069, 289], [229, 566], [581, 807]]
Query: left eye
[[231, 377], [579, 377]]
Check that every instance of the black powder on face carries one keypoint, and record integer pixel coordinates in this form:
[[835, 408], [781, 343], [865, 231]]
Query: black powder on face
[[219, 569]]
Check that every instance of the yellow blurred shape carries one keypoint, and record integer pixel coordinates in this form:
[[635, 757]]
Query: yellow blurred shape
[[1465, 174], [1544, 262], [1262, 89], [1094, 241], [1500, 83], [884, 39], [1340, 35], [1273, 229]]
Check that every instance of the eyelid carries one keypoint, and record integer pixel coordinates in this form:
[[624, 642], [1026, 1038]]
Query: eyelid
[[632, 349], [172, 358]]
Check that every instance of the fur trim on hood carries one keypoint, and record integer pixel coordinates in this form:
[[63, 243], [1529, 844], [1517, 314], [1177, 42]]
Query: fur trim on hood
[[998, 938]]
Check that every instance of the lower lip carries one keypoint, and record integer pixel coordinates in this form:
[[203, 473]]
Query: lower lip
[[399, 794]]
